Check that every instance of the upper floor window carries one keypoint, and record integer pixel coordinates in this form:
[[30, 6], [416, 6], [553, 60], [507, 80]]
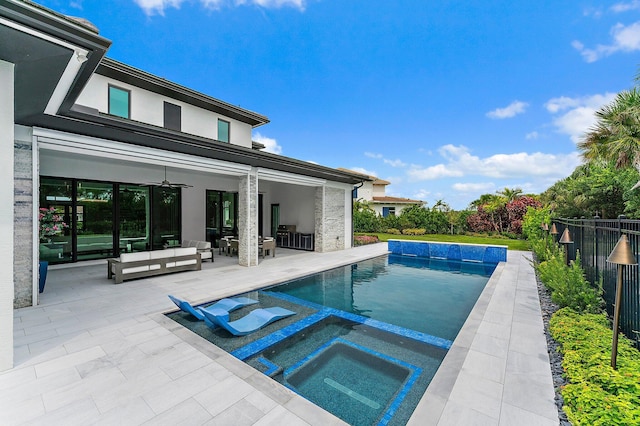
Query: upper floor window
[[223, 130], [119, 102], [172, 116], [388, 211]]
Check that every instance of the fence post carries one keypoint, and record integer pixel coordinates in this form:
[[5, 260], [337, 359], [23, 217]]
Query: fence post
[[595, 246]]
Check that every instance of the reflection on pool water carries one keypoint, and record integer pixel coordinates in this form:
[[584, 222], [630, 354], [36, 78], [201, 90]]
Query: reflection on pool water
[[366, 339]]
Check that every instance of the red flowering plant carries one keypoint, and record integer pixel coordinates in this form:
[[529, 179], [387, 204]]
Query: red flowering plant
[[51, 223], [360, 240]]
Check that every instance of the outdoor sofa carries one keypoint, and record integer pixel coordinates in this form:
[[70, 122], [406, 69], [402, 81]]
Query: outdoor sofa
[[149, 263], [203, 247]]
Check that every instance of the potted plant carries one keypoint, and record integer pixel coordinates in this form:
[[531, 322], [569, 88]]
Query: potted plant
[[51, 223]]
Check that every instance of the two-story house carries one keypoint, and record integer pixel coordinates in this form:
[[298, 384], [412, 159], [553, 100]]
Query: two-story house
[[373, 191], [130, 161]]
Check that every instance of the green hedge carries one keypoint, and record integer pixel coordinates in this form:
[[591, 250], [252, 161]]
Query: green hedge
[[597, 394]]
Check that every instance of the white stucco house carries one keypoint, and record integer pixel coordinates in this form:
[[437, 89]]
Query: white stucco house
[[131, 162], [373, 191]]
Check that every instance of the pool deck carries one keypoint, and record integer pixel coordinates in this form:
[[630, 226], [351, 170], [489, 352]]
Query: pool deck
[[97, 353]]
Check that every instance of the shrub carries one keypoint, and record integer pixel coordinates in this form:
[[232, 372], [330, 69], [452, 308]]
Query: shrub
[[569, 287], [413, 231], [596, 393], [361, 240], [393, 231]]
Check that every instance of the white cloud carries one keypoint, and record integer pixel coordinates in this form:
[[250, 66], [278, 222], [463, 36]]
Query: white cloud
[[577, 114], [531, 135], [460, 163], [421, 194], [363, 171], [511, 110], [372, 155], [625, 7], [592, 11], [271, 145], [624, 39], [417, 173], [152, 7], [474, 187], [392, 163]]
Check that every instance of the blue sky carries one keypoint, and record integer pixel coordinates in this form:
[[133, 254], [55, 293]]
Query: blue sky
[[445, 99]]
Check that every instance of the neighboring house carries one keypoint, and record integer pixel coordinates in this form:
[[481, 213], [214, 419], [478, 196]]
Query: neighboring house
[[132, 162], [374, 192]]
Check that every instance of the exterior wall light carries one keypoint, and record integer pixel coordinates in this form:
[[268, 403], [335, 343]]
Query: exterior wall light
[[621, 255]]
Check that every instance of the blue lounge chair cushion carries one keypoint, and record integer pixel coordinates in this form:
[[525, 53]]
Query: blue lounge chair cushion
[[227, 304], [251, 322]]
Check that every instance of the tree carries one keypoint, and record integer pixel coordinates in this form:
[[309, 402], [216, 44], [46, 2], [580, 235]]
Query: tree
[[595, 188], [502, 212], [616, 135], [510, 194], [365, 218]]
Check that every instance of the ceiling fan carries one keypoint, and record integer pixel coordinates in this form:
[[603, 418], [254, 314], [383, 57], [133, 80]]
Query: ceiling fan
[[166, 184]]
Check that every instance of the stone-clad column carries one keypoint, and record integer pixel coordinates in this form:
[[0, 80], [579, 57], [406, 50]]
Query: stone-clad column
[[248, 219], [23, 262], [330, 219], [6, 214]]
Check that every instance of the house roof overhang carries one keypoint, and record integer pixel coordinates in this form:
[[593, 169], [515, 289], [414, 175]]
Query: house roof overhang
[[395, 200], [53, 55], [125, 73]]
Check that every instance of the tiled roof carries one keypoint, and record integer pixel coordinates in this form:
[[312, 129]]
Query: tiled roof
[[398, 200]]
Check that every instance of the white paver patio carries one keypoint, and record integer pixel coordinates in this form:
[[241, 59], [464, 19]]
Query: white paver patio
[[97, 353]]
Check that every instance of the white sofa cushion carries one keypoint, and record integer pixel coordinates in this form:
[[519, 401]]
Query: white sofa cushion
[[184, 251], [161, 254], [132, 257]]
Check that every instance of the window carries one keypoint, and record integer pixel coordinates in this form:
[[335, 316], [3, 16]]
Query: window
[[223, 130], [172, 116], [386, 211], [119, 102]]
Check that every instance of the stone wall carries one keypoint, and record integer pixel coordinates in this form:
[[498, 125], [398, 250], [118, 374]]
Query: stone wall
[[330, 219], [248, 220], [23, 224]]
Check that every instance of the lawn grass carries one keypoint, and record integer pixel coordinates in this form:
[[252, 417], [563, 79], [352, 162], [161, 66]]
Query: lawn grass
[[469, 239]]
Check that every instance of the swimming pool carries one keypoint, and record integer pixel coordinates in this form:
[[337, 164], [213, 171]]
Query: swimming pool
[[366, 339]]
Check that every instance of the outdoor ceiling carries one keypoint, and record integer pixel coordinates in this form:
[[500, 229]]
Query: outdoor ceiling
[[39, 64]]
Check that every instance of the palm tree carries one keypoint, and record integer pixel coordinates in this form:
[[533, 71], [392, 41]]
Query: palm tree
[[616, 135], [510, 194]]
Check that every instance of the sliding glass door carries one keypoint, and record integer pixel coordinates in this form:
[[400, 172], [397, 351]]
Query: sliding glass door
[[94, 220], [134, 208], [84, 220], [221, 215], [166, 217], [56, 211]]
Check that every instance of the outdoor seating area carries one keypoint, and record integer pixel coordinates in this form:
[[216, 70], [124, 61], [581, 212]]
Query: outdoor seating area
[[266, 246], [253, 321], [203, 247], [149, 263]]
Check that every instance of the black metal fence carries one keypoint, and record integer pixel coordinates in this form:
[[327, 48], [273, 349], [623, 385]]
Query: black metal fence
[[595, 239]]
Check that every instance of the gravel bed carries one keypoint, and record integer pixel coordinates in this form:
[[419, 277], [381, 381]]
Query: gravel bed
[[553, 348]]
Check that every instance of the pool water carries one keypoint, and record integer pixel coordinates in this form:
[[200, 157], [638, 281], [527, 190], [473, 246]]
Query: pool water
[[432, 296], [366, 339]]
